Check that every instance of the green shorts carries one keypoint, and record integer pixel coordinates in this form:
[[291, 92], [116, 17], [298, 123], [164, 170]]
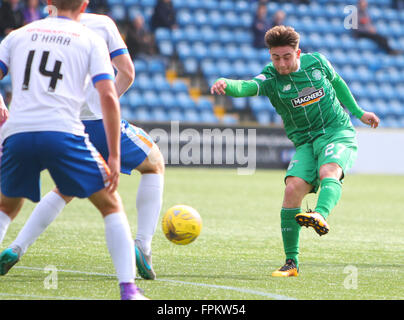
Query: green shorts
[[339, 146]]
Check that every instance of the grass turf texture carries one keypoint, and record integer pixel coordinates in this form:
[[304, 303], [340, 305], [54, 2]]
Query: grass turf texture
[[239, 246]]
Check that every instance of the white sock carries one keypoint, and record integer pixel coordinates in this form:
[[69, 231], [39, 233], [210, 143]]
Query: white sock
[[148, 203], [120, 245], [4, 223], [44, 213]]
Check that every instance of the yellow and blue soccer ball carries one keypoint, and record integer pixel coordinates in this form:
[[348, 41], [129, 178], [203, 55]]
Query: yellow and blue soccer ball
[[181, 224]]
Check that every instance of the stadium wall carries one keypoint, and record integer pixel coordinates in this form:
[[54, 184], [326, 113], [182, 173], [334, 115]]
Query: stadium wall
[[381, 151]]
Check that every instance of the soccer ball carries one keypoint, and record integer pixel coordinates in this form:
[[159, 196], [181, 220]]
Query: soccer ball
[[181, 224]]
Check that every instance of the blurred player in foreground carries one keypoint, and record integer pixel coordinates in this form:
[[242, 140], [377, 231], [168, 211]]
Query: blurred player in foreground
[[138, 151], [307, 93], [44, 130]]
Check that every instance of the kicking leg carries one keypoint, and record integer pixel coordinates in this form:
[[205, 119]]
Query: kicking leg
[[330, 193], [148, 203]]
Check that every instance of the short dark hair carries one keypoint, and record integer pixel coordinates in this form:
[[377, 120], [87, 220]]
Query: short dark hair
[[71, 5], [280, 36]]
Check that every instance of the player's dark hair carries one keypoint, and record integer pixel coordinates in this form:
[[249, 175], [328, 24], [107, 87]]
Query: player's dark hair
[[280, 36], [70, 5]]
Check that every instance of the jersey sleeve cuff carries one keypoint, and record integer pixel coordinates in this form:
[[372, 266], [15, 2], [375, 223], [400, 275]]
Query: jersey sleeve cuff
[[102, 76], [118, 52]]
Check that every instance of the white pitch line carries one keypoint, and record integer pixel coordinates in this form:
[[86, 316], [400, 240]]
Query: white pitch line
[[242, 290]]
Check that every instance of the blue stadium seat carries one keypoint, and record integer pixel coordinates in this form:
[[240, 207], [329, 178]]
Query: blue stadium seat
[[118, 12], [175, 114], [239, 103], [156, 66], [161, 83], [224, 68], [191, 115], [141, 114], [215, 19], [159, 114], [184, 101], [208, 116], [148, 3], [200, 18], [216, 51], [208, 68], [207, 35], [162, 34], [199, 50], [191, 65], [135, 99], [184, 18], [179, 86], [152, 99], [226, 5], [140, 66], [144, 82], [191, 33], [177, 35], [263, 117], [128, 3], [184, 50], [168, 100], [166, 48], [204, 104]]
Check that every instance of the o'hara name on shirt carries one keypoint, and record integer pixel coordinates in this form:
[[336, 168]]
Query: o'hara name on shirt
[[306, 98], [52, 36]]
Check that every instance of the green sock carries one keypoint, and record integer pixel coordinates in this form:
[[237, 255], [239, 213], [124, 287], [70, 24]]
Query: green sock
[[330, 194], [290, 233]]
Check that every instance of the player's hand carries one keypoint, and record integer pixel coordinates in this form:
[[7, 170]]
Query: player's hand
[[114, 164], [370, 119], [219, 87]]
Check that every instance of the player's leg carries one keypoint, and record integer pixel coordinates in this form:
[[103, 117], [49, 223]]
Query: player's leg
[[296, 189], [336, 153], [9, 208], [138, 151], [148, 203], [141, 153], [80, 171], [330, 188], [301, 171], [119, 241], [46, 211]]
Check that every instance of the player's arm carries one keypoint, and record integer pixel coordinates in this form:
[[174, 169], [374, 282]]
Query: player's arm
[[3, 111], [235, 88], [345, 96], [3, 107], [111, 118], [126, 73]]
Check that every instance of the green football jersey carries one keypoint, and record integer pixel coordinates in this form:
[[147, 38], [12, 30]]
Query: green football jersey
[[305, 99]]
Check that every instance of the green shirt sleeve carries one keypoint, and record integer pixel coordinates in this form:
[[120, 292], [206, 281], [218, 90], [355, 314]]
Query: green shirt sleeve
[[241, 88], [344, 95]]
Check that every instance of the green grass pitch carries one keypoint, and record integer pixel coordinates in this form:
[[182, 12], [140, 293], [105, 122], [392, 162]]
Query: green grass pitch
[[239, 246]]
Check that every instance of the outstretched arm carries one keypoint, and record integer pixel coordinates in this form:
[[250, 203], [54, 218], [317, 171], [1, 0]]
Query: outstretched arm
[[345, 96], [235, 88]]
